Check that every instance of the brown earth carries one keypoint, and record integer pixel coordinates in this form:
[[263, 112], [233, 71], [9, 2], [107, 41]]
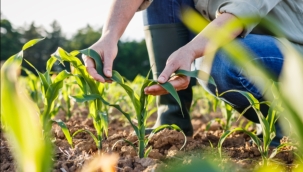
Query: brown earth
[[238, 153]]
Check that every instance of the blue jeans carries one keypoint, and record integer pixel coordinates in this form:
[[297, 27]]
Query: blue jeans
[[226, 75], [229, 76], [165, 11]]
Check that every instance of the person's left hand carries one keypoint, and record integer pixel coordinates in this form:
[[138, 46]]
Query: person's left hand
[[180, 59]]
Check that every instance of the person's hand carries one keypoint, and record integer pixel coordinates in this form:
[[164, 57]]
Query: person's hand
[[180, 59], [107, 49]]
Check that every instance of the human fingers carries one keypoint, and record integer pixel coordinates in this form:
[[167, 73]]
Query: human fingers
[[108, 59], [178, 82], [91, 69]]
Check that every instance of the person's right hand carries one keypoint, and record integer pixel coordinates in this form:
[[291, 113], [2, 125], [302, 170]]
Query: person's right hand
[[108, 50]]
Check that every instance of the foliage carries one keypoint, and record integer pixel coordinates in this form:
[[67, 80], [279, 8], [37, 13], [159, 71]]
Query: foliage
[[98, 111], [8, 33], [140, 102], [12, 40], [19, 116], [285, 95]]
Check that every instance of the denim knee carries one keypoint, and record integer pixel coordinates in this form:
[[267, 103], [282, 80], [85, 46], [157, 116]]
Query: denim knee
[[228, 76], [165, 11]]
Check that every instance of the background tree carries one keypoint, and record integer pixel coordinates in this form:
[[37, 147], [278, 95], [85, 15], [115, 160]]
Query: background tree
[[10, 40], [132, 58], [40, 53]]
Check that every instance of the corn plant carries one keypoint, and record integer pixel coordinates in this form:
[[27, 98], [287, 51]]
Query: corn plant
[[69, 137], [267, 123], [32, 85], [20, 120], [289, 90], [88, 86], [140, 103], [228, 115], [50, 90], [66, 92], [209, 102]]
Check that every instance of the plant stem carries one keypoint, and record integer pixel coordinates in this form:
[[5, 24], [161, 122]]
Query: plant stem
[[99, 142], [45, 118], [141, 147]]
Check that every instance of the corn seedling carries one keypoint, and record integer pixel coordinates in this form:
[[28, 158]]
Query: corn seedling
[[228, 115], [203, 101], [32, 85], [50, 90], [289, 91], [267, 124], [66, 92], [69, 137], [140, 103], [20, 119], [97, 110]]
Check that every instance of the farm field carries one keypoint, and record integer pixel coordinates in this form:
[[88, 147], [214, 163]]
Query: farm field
[[66, 121], [239, 154]]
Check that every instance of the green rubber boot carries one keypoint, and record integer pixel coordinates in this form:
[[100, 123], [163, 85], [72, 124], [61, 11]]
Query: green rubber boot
[[161, 41]]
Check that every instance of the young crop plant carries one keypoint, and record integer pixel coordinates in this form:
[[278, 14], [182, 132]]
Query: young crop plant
[[203, 101], [89, 87], [139, 102], [267, 124], [20, 119], [50, 90], [228, 115], [289, 90], [32, 84]]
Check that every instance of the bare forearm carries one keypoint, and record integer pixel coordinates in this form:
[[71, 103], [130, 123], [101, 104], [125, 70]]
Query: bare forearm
[[220, 31], [120, 14]]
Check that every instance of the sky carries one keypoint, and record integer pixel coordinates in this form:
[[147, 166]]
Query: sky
[[70, 14]]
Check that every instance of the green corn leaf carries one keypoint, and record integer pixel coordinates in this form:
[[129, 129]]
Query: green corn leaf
[[90, 133], [62, 76], [255, 139], [249, 124], [218, 120], [144, 102], [30, 150], [252, 100], [145, 84], [128, 116], [117, 77], [17, 58], [130, 92], [53, 90], [279, 149], [48, 77], [97, 58], [50, 62], [90, 82], [168, 87], [31, 43], [104, 122], [55, 110], [62, 55], [65, 132], [198, 74], [83, 98], [81, 83], [42, 78], [215, 104], [147, 151]]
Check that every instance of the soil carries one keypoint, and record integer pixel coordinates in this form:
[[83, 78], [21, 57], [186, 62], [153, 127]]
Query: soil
[[238, 153]]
